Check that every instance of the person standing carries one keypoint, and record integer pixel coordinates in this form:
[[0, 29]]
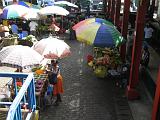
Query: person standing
[[148, 31], [14, 28], [72, 32], [145, 57], [57, 80], [88, 12], [129, 45], [144, 62], [33, 25], [25, 28]]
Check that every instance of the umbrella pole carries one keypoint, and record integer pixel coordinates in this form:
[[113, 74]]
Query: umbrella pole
[[62, 22]]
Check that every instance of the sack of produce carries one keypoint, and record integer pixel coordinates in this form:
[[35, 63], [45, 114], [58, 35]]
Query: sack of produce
[[100, 71], [39, 72], [90, 64]]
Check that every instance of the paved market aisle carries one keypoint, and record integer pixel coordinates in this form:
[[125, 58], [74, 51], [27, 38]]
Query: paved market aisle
[[85, 97]]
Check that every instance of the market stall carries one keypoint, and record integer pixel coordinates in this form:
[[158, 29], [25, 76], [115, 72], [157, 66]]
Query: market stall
[[41, 84], [103, 60]]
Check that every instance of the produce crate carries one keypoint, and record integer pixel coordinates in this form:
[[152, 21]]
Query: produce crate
[[7, 41]]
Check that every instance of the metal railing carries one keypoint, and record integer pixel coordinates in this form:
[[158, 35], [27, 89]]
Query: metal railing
[[25, 96]]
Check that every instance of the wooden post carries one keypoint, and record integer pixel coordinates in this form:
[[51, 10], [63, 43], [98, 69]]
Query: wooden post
[[156, 103]]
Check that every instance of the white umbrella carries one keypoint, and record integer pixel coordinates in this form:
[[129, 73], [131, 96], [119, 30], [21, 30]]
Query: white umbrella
[[52, 48], [32, 14], [19, 56], [65, 3], [51, 10]]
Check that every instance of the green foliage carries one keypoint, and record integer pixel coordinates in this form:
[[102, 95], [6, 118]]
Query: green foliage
[[36, 68], [83, 3], [28, 38], [42, 28]]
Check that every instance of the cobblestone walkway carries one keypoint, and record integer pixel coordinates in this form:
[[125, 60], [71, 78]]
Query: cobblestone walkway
[[85, 96]]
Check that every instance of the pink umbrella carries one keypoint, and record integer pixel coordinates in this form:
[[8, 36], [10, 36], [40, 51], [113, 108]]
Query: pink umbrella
[[52, 48]]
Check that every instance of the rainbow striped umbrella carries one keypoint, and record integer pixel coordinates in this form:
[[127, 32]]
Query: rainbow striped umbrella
[[100, 35], [26, 4], [29, 5], [14, 11], [91, 20]]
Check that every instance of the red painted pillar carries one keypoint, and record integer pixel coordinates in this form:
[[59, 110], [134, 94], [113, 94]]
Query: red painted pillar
[[156, 102], [117, 13], [112, 10], [109, 8], [125, 27], [136, 52], [105, 7]]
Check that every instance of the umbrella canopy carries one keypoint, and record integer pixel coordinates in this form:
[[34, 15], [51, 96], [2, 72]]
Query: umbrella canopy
[[29, 5], [52, 48], [63, 3], [33, 14], [26, 4], [51, 10], [19, 56], [100, 35], [14, 11], [1, 11], [91, 20]]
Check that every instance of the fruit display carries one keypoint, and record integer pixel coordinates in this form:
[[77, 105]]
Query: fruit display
[[107, 56], [39, 71], [104, 59], [9, 40], [36, 68]]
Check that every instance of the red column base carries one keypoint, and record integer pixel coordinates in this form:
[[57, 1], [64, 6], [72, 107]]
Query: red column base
[[132, 93]]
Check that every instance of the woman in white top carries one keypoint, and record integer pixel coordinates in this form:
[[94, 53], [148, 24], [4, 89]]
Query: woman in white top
[[148, 31]]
